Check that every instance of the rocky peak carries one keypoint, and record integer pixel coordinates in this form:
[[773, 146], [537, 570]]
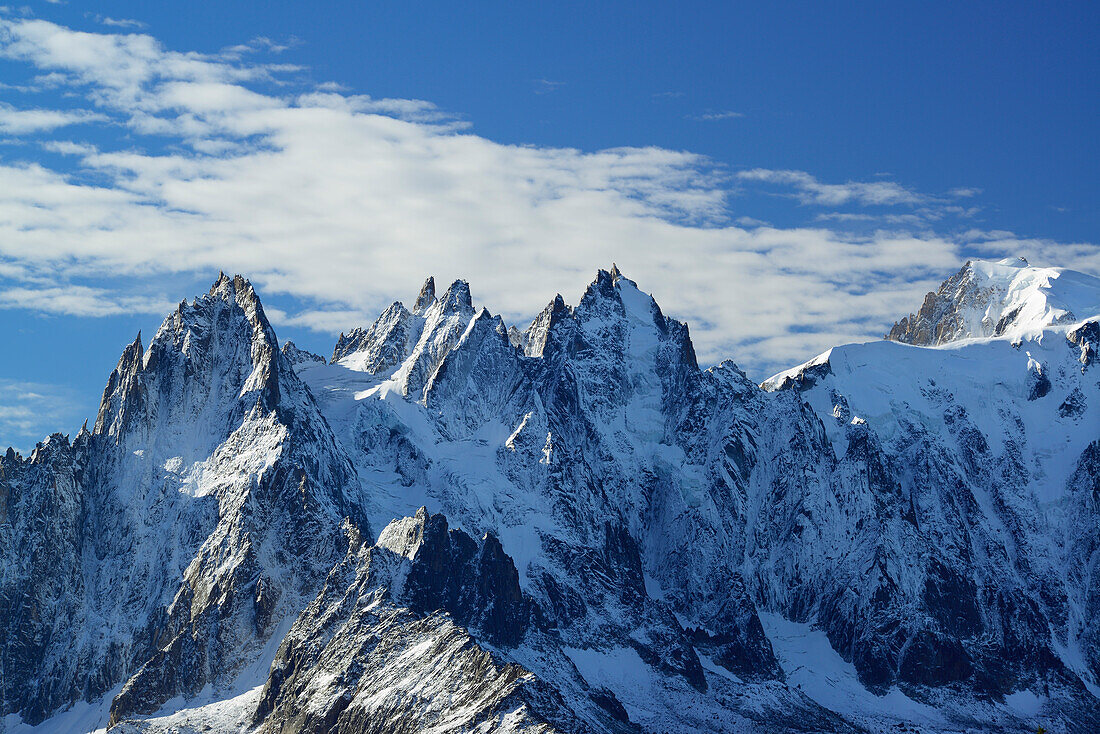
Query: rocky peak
[[224, 417], [393, 336], [123, 397], [346, 344], [426, 297], [237, 289], [1004, 298], [298, 356], [545, 325], [478, 376], [49, 448], [457, 298], [517, 338], [603, 285], [473, 580], [439, 330], [381, 346], [613, 293], [211, 360], [404, 535], [618, 316], [416, 618]]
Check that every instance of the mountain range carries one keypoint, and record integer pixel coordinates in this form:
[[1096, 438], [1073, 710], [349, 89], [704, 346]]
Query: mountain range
[[453, 525]]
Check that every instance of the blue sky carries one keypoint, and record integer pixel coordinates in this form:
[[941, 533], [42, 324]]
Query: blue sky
[[782, 176]]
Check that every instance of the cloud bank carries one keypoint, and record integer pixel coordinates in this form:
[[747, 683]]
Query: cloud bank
[[182, 163]]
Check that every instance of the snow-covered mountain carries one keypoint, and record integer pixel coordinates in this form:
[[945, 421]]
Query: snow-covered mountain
[[888, 535], [155, 555], [1004, 298]]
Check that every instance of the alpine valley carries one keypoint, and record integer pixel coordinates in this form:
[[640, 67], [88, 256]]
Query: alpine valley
[[454, 525]]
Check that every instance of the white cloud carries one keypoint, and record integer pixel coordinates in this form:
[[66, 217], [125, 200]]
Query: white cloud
[[347, 202], [68, 147], [76, 300], [712, 116], [330, 320], [812, 191], [118, 22], [21, 122], [545, 86], [258, 44]]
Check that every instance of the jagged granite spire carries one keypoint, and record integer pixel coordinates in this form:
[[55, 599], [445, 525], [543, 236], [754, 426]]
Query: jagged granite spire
[[224, 334], [381, 346], [298, 356], [444, 590], [123, 398], [211, 480], [221, 395], [544, 325], [457, 299], [426, 297]]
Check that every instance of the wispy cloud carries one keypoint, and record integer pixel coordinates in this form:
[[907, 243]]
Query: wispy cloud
[[116, 22], [77, 300], [809, 190], [260, 44], [712, 116], [22, 121], [344, 202], [545, 86], [327, 320]]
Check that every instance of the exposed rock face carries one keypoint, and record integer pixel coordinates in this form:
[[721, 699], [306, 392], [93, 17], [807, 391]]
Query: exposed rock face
[[387, 342], [1086, 338], [42, 536], [1082, 554], [624, 530], [474, 582], [297, 356], [382, 346], [426, 297], [386, 636], [444, 322]]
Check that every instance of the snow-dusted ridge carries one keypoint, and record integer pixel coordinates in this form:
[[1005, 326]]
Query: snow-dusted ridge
[[630, 543]]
